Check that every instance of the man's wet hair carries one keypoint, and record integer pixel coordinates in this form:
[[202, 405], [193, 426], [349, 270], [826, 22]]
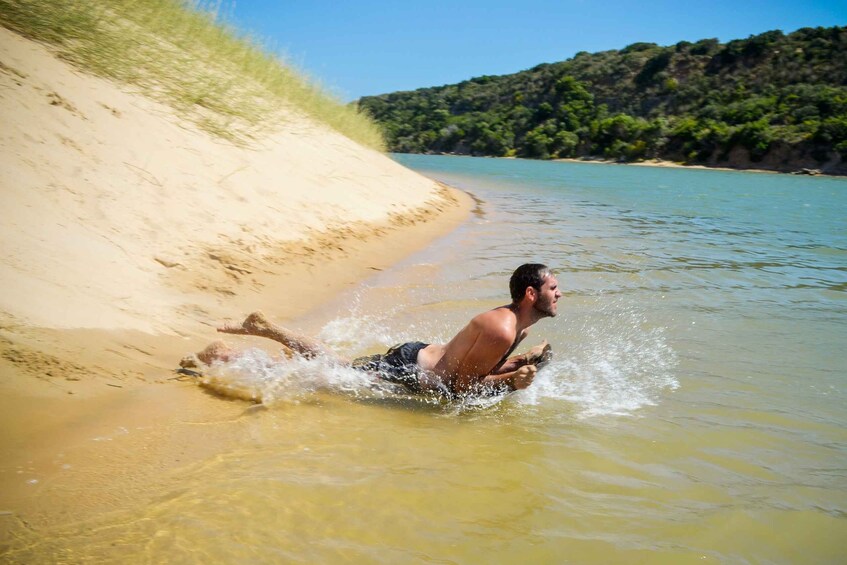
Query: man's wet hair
[[525, 276]]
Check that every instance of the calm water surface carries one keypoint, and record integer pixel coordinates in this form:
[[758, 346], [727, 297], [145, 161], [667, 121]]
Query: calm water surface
[[695, 410]]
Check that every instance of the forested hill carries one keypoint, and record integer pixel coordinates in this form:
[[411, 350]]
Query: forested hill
[[772, 101]]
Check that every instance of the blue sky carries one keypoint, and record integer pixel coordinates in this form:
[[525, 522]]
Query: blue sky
[[373, 47]]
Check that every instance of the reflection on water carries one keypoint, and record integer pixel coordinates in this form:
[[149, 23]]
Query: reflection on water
[[694, 409]]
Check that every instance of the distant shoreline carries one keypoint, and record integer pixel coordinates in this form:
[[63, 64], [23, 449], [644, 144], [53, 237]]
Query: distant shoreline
[[663, 163], [675, 165]]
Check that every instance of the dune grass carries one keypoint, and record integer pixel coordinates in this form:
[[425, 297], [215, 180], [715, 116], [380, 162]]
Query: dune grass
[[182, 54]]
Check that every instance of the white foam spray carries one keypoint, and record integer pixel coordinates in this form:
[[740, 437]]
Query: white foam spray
[[615, 366], [255, 375]]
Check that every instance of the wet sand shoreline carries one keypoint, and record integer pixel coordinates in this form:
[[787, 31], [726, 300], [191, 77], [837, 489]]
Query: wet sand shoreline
[[67, 394]]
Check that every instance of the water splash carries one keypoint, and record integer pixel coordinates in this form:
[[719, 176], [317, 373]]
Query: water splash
[[617, 367], [611, 364], [254, 375], [362, 331], [356, 333]]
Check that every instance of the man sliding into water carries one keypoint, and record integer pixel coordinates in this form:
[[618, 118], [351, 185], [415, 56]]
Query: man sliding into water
[[475, 361]]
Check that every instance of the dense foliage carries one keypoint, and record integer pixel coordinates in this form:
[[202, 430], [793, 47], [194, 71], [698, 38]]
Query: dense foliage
[[772, 100]]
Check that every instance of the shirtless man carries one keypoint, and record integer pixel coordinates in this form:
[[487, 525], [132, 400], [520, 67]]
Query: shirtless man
[[476, 360]]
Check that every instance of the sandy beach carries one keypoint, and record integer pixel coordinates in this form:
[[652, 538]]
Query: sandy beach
[[665, 164], [128, 234], [675, 165]]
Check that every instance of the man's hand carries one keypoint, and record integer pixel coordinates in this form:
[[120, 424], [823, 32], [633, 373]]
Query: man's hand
[[523, 377], [539, 354]]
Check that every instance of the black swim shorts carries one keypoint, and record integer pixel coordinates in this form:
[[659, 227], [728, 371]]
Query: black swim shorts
[[399, 365]]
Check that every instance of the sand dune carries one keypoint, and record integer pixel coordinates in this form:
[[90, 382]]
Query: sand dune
[[117, 214], [128, 233]]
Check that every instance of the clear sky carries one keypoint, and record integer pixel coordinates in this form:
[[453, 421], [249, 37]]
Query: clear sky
[[373, 46]]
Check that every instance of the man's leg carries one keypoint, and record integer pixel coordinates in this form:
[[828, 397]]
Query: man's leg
[[258, 325], [215, 351]]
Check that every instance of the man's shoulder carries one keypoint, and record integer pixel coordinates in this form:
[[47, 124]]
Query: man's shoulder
[[498, 324]]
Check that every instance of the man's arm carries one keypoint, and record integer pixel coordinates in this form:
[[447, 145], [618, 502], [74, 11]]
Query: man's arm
[[532, 357], [510, 365], [514, 380]]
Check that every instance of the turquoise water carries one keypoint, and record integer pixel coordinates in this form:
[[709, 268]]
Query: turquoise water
[[744, 273], [701, 365], [694, 410], [696, 407]]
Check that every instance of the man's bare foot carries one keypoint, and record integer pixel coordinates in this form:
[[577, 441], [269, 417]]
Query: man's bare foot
[[255, 324], [190, 362], [216, 351]]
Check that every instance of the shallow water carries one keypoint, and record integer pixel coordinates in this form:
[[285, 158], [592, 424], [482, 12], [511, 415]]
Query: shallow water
[[694, 411]]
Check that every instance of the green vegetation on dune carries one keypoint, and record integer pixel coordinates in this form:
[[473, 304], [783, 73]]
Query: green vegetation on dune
[[181, 54], [772, 100]]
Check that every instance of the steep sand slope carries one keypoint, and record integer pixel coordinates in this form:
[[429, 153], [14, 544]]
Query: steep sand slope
[[117, 214], [127, 233]]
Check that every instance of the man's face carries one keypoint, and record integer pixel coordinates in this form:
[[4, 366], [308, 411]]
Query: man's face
[[548, 295]]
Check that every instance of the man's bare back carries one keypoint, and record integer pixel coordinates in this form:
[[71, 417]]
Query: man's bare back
[[475, 360]]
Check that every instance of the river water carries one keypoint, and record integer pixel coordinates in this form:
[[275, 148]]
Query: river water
[[694, 411]]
